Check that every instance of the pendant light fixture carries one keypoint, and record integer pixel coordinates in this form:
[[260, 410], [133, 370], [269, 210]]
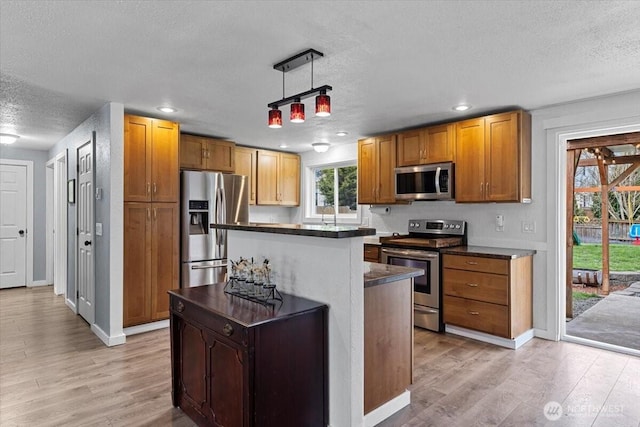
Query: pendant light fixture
[[275, 118], [323, 101], [323, 104], [297, 111]]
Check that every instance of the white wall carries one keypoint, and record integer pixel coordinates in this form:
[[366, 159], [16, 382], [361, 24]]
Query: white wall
[[544, 209]]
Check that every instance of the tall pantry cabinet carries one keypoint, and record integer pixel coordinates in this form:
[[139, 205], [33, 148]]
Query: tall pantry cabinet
[[151, 217]]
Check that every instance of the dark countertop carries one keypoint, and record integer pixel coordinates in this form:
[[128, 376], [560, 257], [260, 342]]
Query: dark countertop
[[378, 274], [487, 252], [330, 231], [247, 313]]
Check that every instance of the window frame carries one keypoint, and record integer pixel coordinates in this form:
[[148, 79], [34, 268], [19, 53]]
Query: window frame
[[309, 203]]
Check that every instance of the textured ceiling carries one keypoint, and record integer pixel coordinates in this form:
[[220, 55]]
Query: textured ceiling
[[392, 65]]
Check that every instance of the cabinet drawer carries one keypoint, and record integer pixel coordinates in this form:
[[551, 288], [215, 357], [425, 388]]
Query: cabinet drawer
[[372, 253], [493, 288], [217, 324], [481, 316], [473, 263]]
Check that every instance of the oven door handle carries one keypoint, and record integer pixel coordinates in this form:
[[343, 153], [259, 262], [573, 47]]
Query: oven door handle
[[410, 253], [425, 310]]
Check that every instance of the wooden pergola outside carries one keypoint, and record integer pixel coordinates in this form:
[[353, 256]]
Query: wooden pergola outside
[[604, 157]]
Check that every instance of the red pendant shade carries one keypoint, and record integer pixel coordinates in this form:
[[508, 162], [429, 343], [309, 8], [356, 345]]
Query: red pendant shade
[[323, 105], [297, 112], [275, 118]]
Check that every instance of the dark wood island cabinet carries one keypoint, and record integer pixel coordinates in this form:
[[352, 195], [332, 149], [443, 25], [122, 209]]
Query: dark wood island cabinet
[[238, 363]]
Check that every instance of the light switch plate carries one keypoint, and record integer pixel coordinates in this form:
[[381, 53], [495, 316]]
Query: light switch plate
[[98, 229]]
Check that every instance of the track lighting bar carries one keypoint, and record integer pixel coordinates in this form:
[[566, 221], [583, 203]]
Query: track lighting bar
[[301, 95]]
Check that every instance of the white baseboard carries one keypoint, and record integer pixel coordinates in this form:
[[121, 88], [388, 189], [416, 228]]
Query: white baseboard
[[146, 327], [71, 305], [492, 339], [38, 283], [109, 341], [383, 412]]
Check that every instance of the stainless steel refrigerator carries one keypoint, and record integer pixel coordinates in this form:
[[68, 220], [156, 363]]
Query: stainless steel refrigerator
[[209, 198]]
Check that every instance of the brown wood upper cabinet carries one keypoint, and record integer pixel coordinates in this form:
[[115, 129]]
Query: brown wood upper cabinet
[[376, 164], [493, 158], [278, 178], [434, 144], [246, 164], [150, 160], [203, 153]]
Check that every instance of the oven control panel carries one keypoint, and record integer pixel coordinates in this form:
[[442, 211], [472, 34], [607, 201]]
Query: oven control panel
[[437, 226]]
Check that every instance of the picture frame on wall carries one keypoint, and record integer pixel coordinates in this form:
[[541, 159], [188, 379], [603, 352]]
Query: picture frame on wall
[[71, 191]]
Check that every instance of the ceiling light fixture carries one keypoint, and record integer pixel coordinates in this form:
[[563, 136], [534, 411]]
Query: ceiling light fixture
[[275, 118], [284, 146], [167, 109], [323, 101], [461, 107], [321, 147], [342, 133], [8, 138]]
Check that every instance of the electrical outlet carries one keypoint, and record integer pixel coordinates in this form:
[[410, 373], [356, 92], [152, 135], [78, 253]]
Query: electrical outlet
[[499, 222], [528, 226]]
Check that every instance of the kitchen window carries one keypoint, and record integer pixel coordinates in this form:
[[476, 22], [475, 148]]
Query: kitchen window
[[331, 186]]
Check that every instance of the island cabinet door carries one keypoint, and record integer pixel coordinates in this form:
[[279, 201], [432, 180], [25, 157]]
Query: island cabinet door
[[226, 375], [193, 352]]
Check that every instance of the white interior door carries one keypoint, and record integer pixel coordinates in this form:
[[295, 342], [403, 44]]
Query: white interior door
[[13, 223], [86, 280]]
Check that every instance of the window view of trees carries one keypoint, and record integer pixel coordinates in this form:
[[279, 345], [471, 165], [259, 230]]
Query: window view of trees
[[336, 185]]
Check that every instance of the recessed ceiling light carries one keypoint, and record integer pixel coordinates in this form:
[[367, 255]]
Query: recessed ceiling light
[[284, 146], [461, 107], [342, 133], [167, 109], [8, 138]]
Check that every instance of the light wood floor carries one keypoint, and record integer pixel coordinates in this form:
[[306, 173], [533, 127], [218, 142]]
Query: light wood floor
[[55, 372]]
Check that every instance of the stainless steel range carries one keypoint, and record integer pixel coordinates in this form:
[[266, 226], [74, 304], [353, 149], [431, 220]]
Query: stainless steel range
[[421, 249]]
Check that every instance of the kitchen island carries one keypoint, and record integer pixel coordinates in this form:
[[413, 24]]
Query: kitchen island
[[324, 264]]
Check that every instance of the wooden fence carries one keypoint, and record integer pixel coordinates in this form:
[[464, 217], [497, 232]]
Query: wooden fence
[[593, 232]]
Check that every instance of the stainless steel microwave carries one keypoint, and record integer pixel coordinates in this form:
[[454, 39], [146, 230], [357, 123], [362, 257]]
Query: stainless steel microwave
[[425, 182]]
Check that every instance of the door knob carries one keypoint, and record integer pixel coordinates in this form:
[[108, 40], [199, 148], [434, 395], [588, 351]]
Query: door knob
[[21, 232], [87, 242]]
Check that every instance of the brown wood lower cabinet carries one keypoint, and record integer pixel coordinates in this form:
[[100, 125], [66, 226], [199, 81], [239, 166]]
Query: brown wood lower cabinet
[[388, 342], [151, 263], [488, 294], [371, 253], [237, 363]]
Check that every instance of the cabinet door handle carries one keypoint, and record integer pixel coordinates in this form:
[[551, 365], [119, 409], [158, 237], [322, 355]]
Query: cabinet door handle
[[474, 313], [204, 153], [148, 214], [155, 188], [227, 329], [148, 188], [487, 189], [472, 285], [180, 307], [472, 263], [155, 214], [482, 188]]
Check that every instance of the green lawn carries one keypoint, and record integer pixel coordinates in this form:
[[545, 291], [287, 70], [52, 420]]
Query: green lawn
[[583, 295], [621, 257]]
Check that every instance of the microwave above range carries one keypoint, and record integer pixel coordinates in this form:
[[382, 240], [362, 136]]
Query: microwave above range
[[425, 182]]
